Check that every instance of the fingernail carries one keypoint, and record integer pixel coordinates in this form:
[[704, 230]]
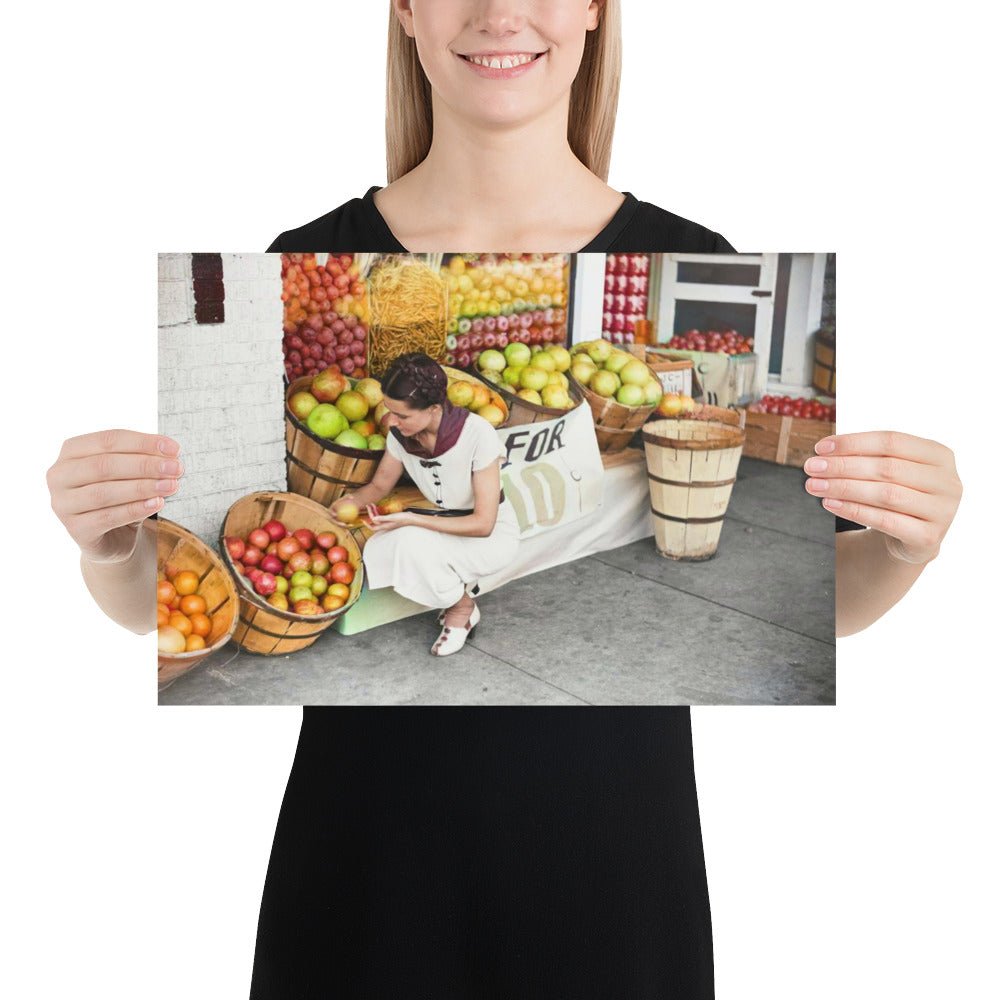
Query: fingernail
[[165, 485], [152, 503], [833, 504], [816, 465], [170, 468], [818, 484], [825, 447], [169, 446]]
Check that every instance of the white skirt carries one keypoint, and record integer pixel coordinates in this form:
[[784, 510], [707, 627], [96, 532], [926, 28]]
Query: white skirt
[[435, 569]]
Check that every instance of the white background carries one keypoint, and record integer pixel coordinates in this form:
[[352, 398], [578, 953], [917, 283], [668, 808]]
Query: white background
[[851, 850]]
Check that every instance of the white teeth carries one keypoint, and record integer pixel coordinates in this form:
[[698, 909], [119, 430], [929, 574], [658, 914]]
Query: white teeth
[[496, 62]]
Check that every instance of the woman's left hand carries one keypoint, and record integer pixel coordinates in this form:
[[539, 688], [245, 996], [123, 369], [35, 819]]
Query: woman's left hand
[[386, 522], [903, 486]]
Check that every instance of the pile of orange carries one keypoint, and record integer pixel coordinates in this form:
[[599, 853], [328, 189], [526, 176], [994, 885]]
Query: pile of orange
[[181, 609]]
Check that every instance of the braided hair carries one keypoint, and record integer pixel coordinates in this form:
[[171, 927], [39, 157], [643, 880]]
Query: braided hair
[[416, 379]]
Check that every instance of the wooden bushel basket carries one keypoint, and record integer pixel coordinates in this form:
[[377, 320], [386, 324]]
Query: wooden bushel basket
[[615, 424], [318, 468], [692, 463], [523, 411], [187, 551], [264, 629], [460, 375]]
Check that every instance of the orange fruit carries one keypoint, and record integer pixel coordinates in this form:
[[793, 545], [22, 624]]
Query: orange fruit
[[201, 624], [162, 615], [180, 622], [193, 604], [194, 642], [186, 582], [165, 592]]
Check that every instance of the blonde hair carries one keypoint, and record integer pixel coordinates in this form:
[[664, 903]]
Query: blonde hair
[[593, 101]]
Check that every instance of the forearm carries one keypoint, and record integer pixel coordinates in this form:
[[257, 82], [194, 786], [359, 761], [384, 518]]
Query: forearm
[[869, 580], [124, 590]]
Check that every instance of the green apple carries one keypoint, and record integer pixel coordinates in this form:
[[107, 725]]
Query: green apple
[[634, 373], [350, 439], [512, 375], [534, 378], [604, 383], [583, 373], [492, 361], [544, 360], [353, 405], [617, 360], [556, 397], [530, 395], [630, 395], [301, 578], [599, 351], [652, 392], [517, 354], [376, 442], [302, 404], [371, 389], [561, 357], [326, 420]]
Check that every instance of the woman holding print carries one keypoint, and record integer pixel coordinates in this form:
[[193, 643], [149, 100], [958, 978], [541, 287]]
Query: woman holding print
[[453, 456]]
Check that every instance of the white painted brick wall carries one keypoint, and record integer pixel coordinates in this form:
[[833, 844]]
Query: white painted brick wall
[[221, 393]]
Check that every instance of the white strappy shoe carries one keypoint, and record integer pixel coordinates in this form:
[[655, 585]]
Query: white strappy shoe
[[451, 639]]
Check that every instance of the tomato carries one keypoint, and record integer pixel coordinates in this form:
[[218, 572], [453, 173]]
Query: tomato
[[165, 592], [193, 604], [186, 582]]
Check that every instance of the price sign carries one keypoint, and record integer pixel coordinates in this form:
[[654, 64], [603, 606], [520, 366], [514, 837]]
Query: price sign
[[552, 473]]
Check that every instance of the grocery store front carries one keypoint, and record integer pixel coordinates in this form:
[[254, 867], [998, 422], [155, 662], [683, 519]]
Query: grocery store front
[[618, 595]]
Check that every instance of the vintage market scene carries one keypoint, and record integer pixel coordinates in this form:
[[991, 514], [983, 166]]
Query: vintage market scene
[[653, 412]]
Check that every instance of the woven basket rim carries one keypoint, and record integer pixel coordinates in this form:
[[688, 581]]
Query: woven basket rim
[[190, 536], [735, 435], [245, 590]]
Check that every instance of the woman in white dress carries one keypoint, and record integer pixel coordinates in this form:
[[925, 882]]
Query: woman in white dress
[[454, 457]]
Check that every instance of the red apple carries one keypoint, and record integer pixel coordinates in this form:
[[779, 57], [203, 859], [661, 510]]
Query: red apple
[[326, 539], [287, 547], [271, 564], [276, 530], [252, 556], [235, 547], [305, 537], [265, 584], [299, 560], [336, 554], [259, 538]]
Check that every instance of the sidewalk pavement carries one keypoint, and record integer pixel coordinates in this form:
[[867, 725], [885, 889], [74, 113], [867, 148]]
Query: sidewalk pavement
[[754, 625]]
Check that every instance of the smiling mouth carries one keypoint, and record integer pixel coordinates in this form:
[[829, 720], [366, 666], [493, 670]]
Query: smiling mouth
[[502, 60]]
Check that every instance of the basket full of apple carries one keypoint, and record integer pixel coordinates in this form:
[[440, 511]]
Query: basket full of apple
[[334, 434], [622, 390], [297, 570]]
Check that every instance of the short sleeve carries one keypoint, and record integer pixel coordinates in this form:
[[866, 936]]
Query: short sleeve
[[721, 245], [393, 446], [486, 447]]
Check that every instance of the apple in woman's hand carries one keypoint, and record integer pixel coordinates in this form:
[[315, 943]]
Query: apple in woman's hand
[[346, 511]]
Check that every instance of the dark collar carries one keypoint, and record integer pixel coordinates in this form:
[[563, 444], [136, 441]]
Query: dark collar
[[452, 422]]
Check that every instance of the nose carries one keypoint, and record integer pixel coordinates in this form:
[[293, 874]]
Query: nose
[[499, 17]]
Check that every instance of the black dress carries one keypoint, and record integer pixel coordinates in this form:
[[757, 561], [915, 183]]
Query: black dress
[[489, 853]]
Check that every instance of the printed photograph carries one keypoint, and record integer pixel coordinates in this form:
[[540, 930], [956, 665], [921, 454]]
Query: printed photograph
[[496, 479]]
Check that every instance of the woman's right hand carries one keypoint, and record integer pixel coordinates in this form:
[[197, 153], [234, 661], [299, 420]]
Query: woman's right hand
[[104, 485]]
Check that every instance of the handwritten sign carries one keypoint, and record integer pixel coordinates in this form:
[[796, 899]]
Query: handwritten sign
[[552, 473]]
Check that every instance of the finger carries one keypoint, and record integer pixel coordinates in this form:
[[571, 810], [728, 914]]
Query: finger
[[111, 466], [909, 530], [91, 526], [135, 442], [96, 496], [887, 496], [896, 443], [883, 469]]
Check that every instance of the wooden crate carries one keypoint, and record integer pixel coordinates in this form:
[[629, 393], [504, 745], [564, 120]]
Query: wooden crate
[[783, 440]]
